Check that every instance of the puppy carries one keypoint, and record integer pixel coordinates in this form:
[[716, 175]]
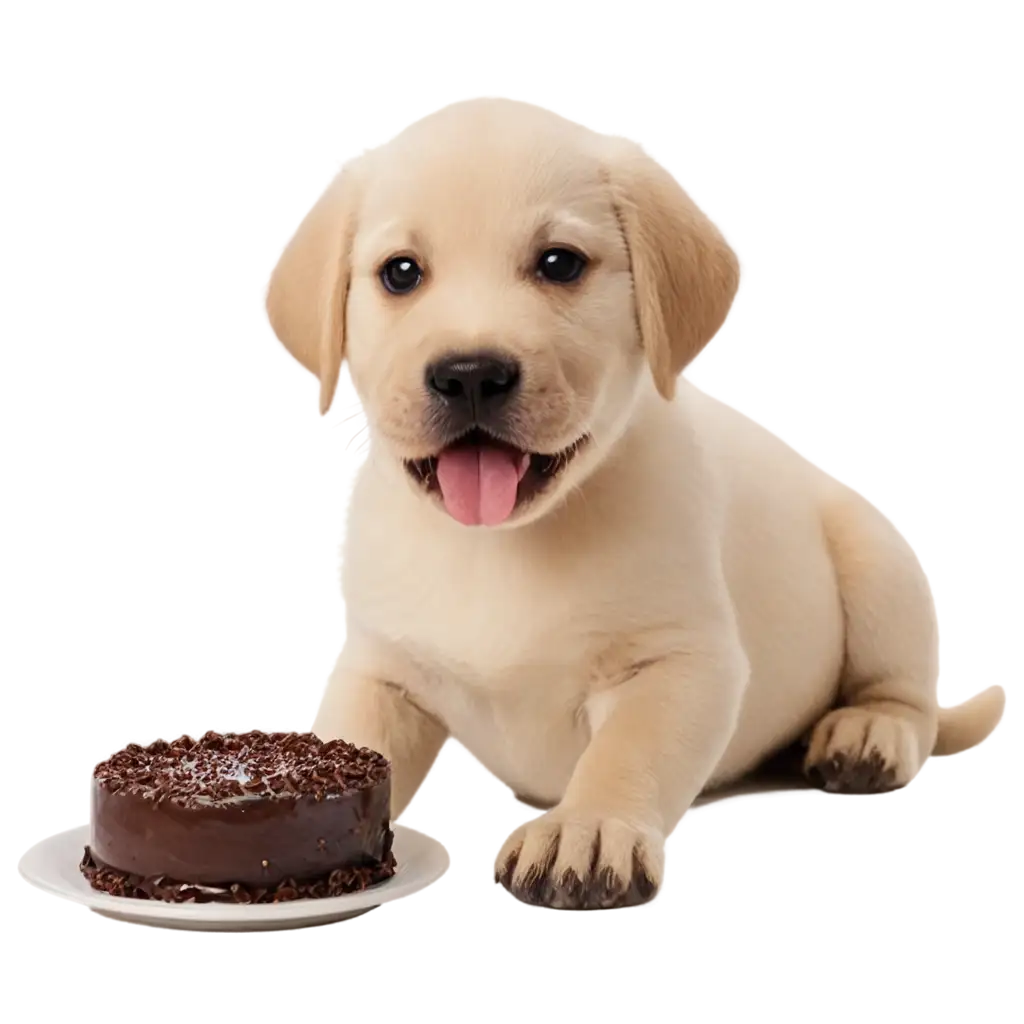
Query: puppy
[[612, 589]]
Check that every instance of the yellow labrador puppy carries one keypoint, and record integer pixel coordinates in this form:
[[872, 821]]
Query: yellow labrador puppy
[[614, 590]]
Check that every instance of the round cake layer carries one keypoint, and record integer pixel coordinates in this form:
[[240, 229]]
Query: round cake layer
[[257, 810]]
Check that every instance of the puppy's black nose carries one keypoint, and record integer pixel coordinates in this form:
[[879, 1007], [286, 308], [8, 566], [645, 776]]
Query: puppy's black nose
[[479, 381]]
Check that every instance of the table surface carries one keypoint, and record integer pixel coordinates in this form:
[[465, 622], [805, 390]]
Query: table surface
[[782, 906], [769, 855]]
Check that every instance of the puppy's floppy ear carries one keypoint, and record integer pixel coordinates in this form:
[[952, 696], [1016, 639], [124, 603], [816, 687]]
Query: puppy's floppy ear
[[684, 273], [309, 287]]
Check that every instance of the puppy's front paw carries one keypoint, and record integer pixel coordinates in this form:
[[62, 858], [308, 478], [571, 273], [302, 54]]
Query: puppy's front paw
[[576, 862], [859, 750]]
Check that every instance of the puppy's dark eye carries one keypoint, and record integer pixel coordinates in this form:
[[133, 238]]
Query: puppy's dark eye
[[562, 266], [401, 275]]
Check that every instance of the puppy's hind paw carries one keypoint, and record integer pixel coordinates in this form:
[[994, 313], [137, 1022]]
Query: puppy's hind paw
[[861, 750]]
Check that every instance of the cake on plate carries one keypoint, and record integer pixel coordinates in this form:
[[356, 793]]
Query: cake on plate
[[241, 817]]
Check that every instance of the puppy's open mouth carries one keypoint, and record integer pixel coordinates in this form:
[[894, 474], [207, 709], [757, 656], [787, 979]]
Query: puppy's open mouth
[[481, 481]]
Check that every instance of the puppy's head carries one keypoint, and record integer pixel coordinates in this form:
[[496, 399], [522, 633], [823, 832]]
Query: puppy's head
[[499, 280]]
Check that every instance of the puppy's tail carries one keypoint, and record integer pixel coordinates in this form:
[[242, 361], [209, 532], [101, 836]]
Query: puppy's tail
[[969, 723]]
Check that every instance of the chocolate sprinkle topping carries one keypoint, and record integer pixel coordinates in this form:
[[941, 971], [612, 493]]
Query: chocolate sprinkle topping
[[231, 767], [337, 883]]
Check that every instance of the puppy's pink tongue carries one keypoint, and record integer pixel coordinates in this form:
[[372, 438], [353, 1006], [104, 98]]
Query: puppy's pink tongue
[[478, 484]]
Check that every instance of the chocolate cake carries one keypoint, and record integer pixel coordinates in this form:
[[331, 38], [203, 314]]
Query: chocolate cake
[[244, 818]]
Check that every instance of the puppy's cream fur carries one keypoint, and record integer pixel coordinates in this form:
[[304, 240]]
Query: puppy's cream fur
[[689, 596]]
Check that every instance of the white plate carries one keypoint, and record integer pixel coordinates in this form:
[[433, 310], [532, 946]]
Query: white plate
[[52, 865]]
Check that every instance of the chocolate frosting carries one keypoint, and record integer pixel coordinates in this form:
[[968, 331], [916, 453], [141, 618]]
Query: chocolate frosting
[[260, 841], [259, 811]]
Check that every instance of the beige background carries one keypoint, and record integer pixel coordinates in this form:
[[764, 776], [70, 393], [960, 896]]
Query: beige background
[[166, 505]]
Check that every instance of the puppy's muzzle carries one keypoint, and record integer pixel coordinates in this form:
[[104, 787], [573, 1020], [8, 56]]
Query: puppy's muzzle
[[473, 388]]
